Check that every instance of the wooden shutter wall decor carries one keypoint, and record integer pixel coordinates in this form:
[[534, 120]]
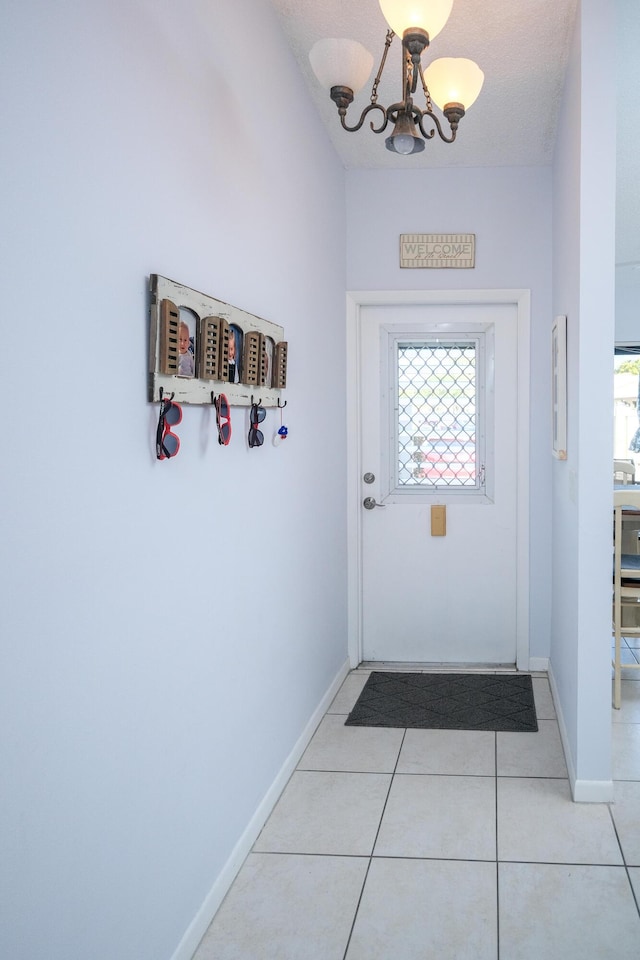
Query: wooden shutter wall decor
[[170, 302], [279, 379], [169, 322], [252, 357]]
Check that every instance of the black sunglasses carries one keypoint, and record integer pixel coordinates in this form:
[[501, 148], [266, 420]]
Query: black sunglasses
[[256, 437]]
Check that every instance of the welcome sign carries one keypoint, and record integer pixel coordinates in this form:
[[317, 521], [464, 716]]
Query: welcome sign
[[438, 250]]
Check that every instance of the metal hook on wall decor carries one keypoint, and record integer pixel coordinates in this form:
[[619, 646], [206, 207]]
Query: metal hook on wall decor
[[281, 406], [258, 404], [161, 392]]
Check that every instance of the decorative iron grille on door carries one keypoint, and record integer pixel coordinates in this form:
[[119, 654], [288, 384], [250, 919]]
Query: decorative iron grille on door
[[437, 404]]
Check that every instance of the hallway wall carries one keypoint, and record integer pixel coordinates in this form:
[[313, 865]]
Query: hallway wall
[[627, 328], [156, 617], [509, 210], [168, 629], [584, 290]]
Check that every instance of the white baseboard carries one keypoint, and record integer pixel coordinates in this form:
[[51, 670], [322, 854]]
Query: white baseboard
[[539, 664], [200, 923], [582, 791], [593, 791], [568, 757]]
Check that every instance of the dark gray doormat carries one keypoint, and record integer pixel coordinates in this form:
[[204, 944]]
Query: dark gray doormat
[[446, 701]]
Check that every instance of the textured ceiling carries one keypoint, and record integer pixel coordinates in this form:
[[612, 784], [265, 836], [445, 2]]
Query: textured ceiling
[[521, 46]]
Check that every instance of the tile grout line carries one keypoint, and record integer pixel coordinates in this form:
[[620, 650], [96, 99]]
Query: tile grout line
[[373, 846], [624, 859], [633, 892], [438, 859]]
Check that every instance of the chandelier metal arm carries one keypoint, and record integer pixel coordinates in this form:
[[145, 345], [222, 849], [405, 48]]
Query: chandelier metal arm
[[343, 96], [419, 116], [363, 116]]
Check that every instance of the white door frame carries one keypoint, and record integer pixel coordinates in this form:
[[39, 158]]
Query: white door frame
[[356, 299]]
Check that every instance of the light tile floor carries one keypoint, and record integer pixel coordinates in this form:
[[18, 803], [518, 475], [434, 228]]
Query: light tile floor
[[420, 844]]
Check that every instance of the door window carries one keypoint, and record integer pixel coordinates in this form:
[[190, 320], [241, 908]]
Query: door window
[[436, 414]]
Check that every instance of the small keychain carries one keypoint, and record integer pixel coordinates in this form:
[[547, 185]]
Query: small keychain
[[284, 430]]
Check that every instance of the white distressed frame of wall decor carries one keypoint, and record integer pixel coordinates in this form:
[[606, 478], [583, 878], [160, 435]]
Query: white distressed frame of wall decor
[[198, 389], [559, 386]]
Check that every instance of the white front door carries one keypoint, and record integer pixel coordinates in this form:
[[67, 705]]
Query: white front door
[[452, 598]]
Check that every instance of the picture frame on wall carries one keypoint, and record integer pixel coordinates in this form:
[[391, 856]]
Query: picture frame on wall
[[559, 387]]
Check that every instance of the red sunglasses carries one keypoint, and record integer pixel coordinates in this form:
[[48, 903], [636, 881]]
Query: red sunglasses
[[168, 443], [223, 420]]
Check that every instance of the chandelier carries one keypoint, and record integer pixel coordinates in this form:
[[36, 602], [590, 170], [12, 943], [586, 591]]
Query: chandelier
[[452, 83]]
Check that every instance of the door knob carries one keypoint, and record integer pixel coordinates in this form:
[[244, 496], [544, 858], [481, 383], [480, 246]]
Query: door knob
[[370, 502]]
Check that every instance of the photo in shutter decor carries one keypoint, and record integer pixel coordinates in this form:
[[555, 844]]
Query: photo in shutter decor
[[201, 346]]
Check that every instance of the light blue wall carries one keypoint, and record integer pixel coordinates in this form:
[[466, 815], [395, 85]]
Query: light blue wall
[[628, 304], [509, 210], [168, 629], [583, 289], [627, 39], [512, 212]]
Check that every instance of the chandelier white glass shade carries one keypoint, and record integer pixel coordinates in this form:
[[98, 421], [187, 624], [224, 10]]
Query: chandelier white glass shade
[[344, 62], [454, 80], [429, 15], [343, 67]]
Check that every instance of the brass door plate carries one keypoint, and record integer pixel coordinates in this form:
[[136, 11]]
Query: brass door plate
[[438, 521]]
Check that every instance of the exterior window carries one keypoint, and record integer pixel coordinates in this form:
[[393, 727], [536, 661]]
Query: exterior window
[[626, 405]]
